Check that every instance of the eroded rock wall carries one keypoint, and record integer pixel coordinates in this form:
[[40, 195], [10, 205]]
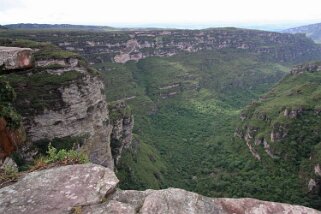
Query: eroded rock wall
[[123, 46], [60, 98], [12, 58]]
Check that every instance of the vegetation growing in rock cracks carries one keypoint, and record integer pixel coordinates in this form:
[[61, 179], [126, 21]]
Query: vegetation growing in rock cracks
[[7, 111], [56, 157]]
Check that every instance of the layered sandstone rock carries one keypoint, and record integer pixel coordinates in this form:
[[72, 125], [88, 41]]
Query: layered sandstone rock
[[123, 123], [12, 58], [136, 45], [58, 190], [309, 67], [91, 189], [70, 103]]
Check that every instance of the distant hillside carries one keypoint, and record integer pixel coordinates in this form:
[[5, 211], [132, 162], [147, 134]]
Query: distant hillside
[[284, 125], [61, 27], [122, 46], [28, 26], [2, 27], [312, 31]]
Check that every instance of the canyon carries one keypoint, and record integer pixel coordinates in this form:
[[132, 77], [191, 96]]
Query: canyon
[[186, 89]]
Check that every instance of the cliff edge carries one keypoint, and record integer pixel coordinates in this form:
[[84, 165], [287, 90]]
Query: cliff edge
[[92, 188], [61, 100]]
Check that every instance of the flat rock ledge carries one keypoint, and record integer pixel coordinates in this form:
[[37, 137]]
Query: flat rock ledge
[[178, 201], [91, 189], [12, 58], [58, 190]]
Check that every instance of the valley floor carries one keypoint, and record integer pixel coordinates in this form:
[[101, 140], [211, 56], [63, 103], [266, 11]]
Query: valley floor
[[186, 112]]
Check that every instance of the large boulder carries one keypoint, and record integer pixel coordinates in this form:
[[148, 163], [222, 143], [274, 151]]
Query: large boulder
[[91, 189], [58, 190], [178, 201], [13, 58]]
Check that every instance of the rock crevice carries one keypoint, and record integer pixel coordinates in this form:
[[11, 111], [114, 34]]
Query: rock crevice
[[84, 188]]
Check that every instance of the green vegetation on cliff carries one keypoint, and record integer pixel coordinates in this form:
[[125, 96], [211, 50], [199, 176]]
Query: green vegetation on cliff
[[186, 110], [287, 124], [35, 88], [7, 111]]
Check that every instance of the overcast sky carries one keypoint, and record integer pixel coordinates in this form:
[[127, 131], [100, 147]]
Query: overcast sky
[[144, 12]]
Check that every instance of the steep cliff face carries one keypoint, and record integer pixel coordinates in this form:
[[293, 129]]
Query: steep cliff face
[[92, 189], [285, 125], [12, 134], [62, 102], [123, 123], [15, 58], [123, 46], [137, 45]]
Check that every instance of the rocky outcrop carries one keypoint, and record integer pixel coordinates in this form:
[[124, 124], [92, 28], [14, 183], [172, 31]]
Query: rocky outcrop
[[61, 98], [91, 188], [58, 190], [84, 112], [309, 67], [139, 45], [13, 58], [317, 170], [278, 132], [249, 136], [123, 123], [69, 62], [268, 131], [8, 163], [293, 113], [314, 184], [121, 47]]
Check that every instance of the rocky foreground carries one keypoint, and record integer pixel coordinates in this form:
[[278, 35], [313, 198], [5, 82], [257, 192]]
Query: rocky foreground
[[91, 188]]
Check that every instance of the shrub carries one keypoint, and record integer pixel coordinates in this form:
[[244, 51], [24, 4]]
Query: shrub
[[7, 96], [66, 156], [7, 176], [57, 157]]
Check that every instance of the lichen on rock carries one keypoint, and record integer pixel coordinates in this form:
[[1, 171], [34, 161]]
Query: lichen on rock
[[58, 190], [91, 188]]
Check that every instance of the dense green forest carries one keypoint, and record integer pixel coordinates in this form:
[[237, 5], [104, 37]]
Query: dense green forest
[[186, 109]]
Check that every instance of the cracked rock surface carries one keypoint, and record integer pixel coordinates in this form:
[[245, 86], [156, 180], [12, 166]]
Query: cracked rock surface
[[12, 58], [57, 190], [91, 189]]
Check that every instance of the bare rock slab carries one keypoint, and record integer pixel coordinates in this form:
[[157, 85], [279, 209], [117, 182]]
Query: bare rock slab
[[57, 190], [91, 189], [13, 58], [178, 201], [112, 207]]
